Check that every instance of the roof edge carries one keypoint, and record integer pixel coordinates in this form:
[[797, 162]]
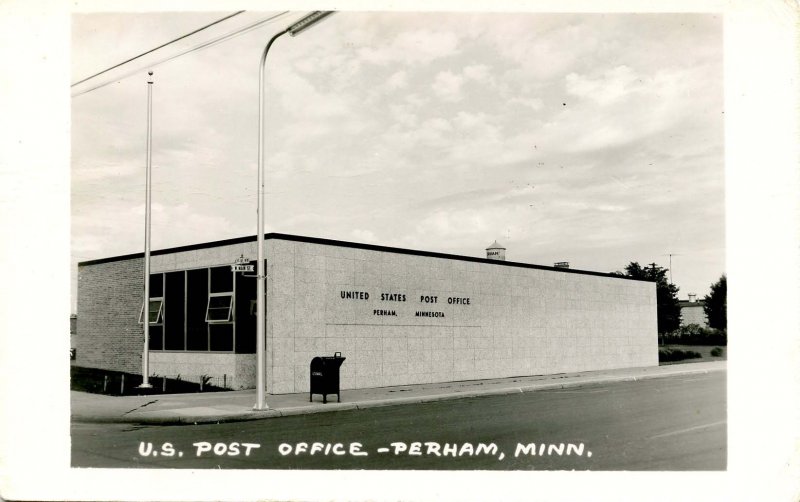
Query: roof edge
[[355, 245]]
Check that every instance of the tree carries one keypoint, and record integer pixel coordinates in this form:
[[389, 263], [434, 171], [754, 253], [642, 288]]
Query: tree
[[669, 310], [716, 304]]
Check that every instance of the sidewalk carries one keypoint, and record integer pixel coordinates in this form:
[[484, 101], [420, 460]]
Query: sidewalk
[[214, 407]]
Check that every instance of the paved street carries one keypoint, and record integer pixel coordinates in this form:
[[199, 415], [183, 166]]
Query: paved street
[[675, 423]]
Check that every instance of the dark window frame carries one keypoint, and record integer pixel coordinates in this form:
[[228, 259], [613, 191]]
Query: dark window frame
[[209, 322], [229, 318]]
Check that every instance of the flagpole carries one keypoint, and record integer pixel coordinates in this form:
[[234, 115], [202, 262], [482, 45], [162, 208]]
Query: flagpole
[[146, 304]]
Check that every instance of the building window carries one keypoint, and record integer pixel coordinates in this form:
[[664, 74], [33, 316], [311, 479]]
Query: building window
[[220, 280], [175, 307], [155, 312], [196, 310], [196, 305], [219, 308], [221, 337], [156, 285]]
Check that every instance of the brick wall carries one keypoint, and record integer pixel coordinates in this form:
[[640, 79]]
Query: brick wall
[[109, 301]]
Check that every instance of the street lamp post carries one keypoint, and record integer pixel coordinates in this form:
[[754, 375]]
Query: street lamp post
[[295, 29]]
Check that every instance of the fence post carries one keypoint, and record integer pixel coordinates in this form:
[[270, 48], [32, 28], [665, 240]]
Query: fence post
[[105, 383], [164, 385], [122, 385], [224, 380], [201, 383]]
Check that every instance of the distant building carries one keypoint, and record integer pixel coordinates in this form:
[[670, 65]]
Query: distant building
[[692, 311], [73, 330]]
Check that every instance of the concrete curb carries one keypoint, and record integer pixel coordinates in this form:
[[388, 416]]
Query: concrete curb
[[379, 403]]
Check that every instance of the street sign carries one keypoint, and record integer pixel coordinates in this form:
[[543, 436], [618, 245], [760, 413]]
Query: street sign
[[242, 264]]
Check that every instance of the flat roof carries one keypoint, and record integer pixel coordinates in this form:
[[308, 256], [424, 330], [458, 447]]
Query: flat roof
[[355, 245]]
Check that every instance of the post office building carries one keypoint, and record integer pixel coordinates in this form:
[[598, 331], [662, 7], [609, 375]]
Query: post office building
[[399, 316]]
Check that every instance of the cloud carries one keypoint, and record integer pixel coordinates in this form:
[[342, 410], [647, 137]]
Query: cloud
[[88, 172], [414, 46], [541, 54], [302, 99], [363, 236], [402, 115], [451, 223], [447, 86], [534, 104], [609, 87], [398, 80], [432, 130], [121, 226], [466, 120], [618, 106], [479, 72]]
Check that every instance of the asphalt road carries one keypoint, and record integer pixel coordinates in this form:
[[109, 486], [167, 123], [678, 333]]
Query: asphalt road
[[676, 423]]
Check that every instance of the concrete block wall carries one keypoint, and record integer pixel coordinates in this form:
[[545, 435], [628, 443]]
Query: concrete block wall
[[204, 257], [520, 321], [109, 301]]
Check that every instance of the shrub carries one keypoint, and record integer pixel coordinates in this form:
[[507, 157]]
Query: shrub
[[716, 351], [691, 330], [693, 334], [669, 355]]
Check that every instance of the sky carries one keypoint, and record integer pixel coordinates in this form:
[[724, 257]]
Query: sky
[[590, 138]]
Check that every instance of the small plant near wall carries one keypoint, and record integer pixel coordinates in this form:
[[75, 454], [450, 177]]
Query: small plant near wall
[[204, 379], [716, 352]]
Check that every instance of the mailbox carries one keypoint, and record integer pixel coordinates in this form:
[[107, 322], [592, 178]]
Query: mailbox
[[325, 376]]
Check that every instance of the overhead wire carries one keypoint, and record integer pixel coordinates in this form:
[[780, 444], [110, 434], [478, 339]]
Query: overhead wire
[[159, 47], [204, 45]]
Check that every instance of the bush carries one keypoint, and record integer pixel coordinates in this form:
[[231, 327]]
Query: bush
[[669, 355], [716, 351], [693, 334]]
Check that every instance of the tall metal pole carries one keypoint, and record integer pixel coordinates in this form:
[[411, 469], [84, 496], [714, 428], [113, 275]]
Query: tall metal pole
[[146, 304], [261, 275]]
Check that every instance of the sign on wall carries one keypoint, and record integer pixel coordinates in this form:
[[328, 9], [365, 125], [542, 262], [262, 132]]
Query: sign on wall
[[426, 305], [242, 264]]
